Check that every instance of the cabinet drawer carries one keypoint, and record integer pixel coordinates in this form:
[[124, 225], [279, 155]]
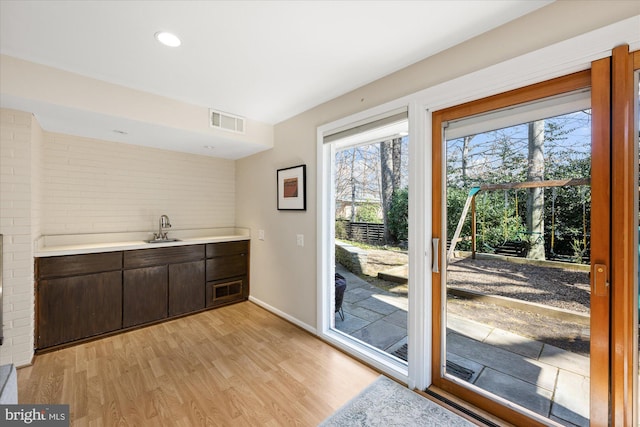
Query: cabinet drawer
[[224, 292], [73, 265], [226, 266], [227, 248], [162, 256]]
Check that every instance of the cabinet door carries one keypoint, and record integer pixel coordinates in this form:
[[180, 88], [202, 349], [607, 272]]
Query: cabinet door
[[145, 295], [186, 287], [73, 308]]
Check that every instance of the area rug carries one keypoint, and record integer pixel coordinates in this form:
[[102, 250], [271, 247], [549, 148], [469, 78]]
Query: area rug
[[386, 403]]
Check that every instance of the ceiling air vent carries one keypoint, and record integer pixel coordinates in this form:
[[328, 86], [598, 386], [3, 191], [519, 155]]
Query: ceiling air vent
[[226, 121]]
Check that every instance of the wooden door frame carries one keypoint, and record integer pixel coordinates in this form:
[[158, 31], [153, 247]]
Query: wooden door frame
[[560, 85], [600, 248], [624, 208]]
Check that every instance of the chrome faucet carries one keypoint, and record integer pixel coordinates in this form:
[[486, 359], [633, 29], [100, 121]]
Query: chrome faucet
[[162, 223]]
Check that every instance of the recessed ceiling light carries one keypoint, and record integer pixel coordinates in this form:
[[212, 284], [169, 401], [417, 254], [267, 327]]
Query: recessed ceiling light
[[167, 39], [209, 147]]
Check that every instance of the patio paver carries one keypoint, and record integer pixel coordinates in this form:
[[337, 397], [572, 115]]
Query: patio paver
[[565, 360], [375, 304], [514, 343], [361, 312], [570, 394], [503, 361], [381, 334], [521, 392]]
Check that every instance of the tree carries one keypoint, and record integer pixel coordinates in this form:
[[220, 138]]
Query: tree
[[391, 170], [353, 186], [399, 215], [535, 196], [466, 142], [502, 156], [356, 178], [370, 173], [386, 183], [368, 212]]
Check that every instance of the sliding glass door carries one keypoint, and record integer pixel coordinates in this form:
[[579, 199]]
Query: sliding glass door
[[521, 223], [368, 305]]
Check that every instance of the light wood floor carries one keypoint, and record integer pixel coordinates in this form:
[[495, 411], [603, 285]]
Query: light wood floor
[[233, 366]]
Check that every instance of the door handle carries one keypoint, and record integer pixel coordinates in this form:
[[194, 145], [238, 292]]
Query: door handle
[[435, 243], [600, 283]]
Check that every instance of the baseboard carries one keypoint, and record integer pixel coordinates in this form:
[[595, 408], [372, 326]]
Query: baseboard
[[284, 315]]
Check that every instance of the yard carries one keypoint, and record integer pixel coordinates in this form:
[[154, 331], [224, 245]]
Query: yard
[[558, 288]]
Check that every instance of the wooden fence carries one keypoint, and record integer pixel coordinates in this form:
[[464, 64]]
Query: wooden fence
[[365, 232]]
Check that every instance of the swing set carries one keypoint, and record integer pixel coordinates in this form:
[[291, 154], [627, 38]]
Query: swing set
[[470, 203]]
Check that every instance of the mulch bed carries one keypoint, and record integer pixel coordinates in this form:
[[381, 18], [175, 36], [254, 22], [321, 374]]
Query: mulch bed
[[556, 287]]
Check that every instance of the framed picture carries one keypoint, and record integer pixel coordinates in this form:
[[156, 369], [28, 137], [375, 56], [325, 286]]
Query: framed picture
[[292, 188]]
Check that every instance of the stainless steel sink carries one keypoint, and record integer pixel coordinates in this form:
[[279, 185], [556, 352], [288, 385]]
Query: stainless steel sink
[[167, 240]]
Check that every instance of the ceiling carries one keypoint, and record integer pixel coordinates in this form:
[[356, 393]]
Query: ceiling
[[263, 60]]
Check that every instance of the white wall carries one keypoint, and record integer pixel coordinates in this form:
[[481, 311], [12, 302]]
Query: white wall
[[20, 142], [93, 186], [283, 275]]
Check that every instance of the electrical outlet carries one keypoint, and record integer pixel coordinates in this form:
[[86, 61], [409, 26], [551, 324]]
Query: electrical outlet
[[260, 234], [300, 239]]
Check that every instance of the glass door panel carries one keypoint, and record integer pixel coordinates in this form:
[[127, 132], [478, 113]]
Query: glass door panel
[[370, 187], [517, 304]]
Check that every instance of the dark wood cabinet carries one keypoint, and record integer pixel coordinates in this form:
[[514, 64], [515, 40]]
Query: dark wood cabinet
[[227, 273], [226, 266], [162, 256], [186, 290], [162, 282], [72, 265], [83, 296], [84, 305], [144, 296], [227, 248]]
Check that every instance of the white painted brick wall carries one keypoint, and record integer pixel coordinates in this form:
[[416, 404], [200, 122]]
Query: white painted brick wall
[[37, 144], [18, 145], [92, 186]]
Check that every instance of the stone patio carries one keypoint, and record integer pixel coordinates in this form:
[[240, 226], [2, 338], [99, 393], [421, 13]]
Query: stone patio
[[545, 379]]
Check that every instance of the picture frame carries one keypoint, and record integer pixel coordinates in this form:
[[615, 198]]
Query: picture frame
[[292, 188]]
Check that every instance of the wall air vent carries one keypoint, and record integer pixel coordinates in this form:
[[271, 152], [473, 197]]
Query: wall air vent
[[226, 121]]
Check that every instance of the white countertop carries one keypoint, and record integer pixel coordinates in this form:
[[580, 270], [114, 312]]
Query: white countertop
[[75, 244]]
